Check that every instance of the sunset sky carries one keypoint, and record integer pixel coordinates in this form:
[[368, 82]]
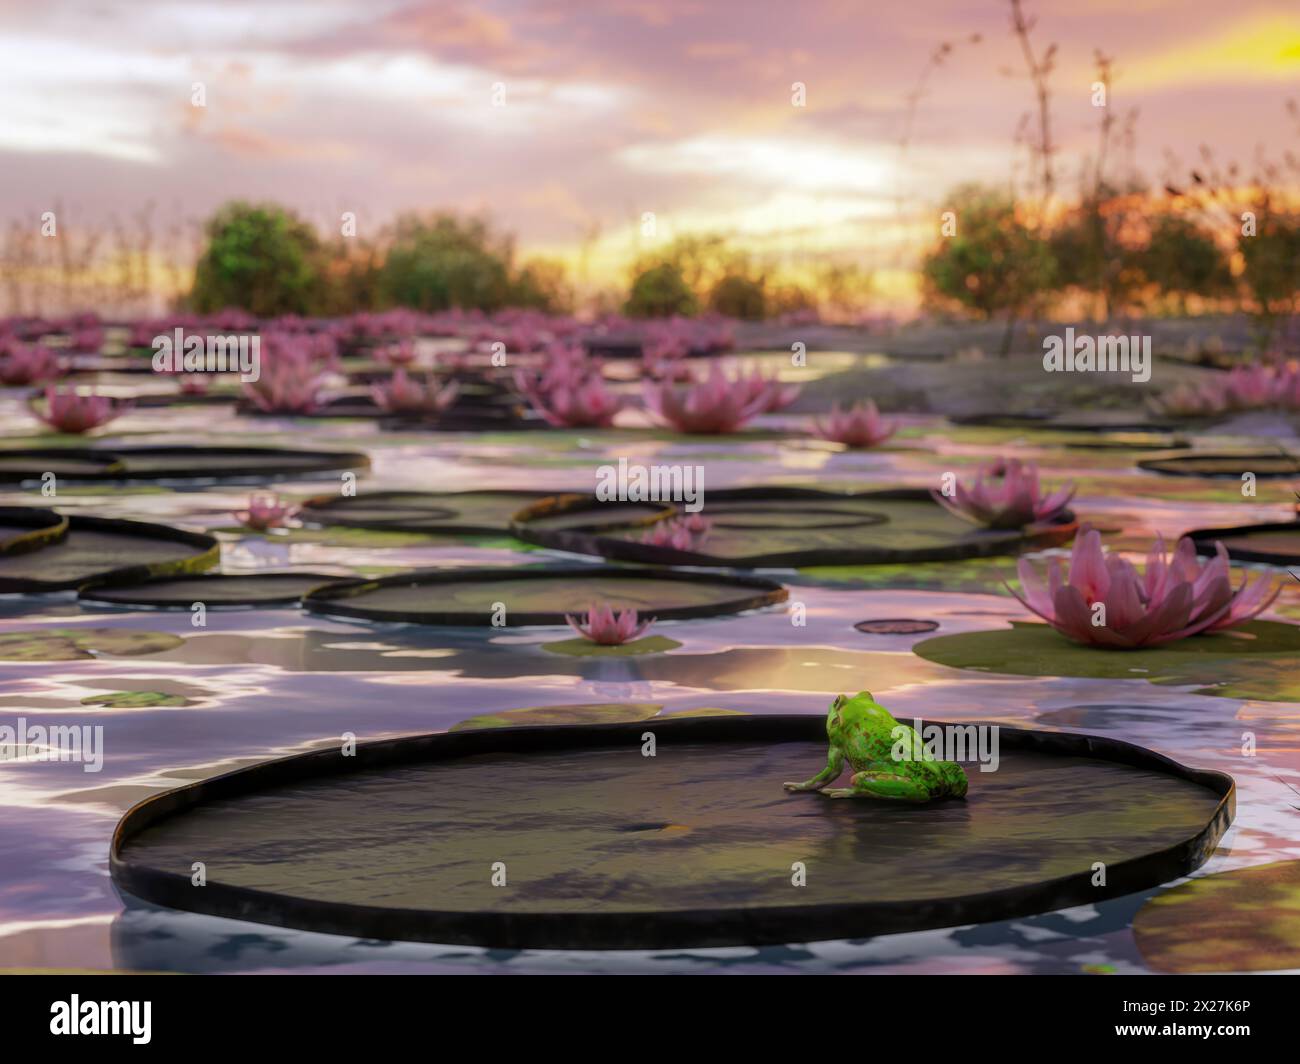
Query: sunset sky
[[681, 108]]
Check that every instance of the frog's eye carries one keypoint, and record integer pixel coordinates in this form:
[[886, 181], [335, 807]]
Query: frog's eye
[[839, 702], [867, 695]]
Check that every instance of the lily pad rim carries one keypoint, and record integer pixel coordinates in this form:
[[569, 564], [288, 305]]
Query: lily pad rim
[[650, 929], [325, 601]]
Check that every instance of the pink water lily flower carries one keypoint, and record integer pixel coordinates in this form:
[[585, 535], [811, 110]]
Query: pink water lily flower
[[403, 394], [22, 364], [859, 426], [265, 511], [716, 404], [1105, 602], [681, 533], [604, 627], [1005, 495], [570, 390], [67, 411]]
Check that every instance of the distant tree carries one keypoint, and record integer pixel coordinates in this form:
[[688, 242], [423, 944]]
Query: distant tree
[[737, 296], [261, 258], [1096, 247], [993, 264], [1271, 267], [660, 291], [542, 284], [1182, 259], [441, 261]]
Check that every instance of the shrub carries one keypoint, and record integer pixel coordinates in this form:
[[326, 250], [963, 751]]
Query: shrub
[[261, 258], [660, 292]]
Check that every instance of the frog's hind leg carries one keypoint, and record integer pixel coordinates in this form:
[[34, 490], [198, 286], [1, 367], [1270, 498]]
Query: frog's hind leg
[[882, 785]]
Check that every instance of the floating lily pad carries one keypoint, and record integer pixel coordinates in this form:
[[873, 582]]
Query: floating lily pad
[[896, 626], [79, 644], [585, 648], [26, 528], [175, 463], [1264, 665], [535, 716], [456, 512], [606, 848], [784, 526], [1246, 920], [539, 596], [1267, 465], [99, 548], [1273, 544], [65, 463], [705, 711], [1091, 421], [136, 700], [214, 591]]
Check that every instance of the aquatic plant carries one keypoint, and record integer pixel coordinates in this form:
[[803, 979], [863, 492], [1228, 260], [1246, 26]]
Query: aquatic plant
[[1005, 494], [603, 626], [1105, 602], [680, 533], [569, 391], [22, 364], [404, 394], [860, 426], [715, 405], [290, 381], [265, 511], [73, 413]]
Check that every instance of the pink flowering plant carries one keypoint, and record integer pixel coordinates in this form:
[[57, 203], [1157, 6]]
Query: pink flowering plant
[[860, 426], [1006, 495], [602, 625], [71, 412], [1103, 601], [265, 511]]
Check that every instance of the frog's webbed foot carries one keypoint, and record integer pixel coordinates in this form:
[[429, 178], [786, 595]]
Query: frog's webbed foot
[[834, 766], [841, 792]]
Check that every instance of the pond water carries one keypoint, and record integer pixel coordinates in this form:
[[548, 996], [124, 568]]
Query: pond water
[[263, 683]]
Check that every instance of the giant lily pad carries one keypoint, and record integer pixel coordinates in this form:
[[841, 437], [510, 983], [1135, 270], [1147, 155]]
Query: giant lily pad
[[539, 596], [214, 591], [1266, 465], [99, 548], [80, 644], [27, 528], [456, 512], [1262, 660], [65, 463], [586, 713], [175, 463], [783, 526], [1246, 920], [604, 847], [1274, 544]]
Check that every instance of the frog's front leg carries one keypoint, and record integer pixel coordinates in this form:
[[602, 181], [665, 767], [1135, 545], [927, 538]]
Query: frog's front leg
[[874, 784], [834, 766]]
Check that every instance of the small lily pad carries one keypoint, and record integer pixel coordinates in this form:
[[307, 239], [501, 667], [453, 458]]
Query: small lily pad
[[1246, 920], [80, 644], [136, 700], [896, 626], [532, 716], [585, 648]]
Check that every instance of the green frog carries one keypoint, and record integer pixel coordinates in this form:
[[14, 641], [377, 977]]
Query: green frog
[[887, 758]]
